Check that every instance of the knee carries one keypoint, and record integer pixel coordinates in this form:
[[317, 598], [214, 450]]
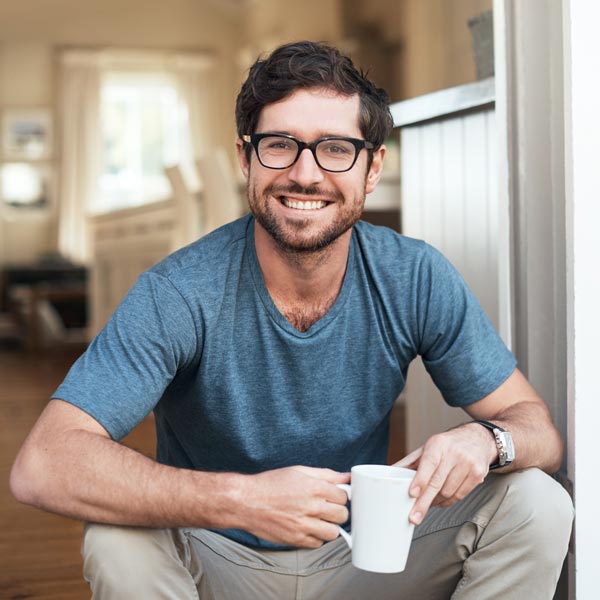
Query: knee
[[121, 558], [539, 507]]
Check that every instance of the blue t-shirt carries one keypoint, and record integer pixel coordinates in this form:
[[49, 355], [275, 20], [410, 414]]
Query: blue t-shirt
[[235, 387]]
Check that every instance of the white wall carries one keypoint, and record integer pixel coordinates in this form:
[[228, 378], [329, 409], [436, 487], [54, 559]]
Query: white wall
[[449, 199]]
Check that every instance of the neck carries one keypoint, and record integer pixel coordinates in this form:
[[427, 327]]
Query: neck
[[306, 278]]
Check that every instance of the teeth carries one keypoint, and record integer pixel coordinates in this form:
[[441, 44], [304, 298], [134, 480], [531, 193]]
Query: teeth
[[315, 205]]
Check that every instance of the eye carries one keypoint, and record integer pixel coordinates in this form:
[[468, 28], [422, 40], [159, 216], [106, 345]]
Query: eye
[[337, 148], [278, 144]]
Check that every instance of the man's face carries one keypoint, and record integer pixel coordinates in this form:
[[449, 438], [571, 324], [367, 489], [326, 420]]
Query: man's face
[[304, 208]]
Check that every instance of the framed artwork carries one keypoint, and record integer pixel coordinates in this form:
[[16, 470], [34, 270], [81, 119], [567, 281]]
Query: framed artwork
[[25, 185], [27, 134]]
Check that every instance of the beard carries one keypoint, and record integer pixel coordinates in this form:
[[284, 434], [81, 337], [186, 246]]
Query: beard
[[294, 236]]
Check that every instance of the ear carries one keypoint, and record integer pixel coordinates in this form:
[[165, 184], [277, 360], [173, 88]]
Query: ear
[[241, 152], [374, 174]]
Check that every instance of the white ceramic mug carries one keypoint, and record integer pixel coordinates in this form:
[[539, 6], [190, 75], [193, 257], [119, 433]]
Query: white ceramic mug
[[381, 532]]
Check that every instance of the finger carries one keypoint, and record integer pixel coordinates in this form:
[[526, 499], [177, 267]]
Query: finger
[[455, 480], [310, 541], [334, 513], [467, 486], [321, 487], [329, 475], [410, 459], [427, 495], [328, 531], [442, 503], [333, 494], [428, 465], [322, 531]]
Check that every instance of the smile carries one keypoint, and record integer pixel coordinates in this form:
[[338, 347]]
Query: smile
[[309, 205]]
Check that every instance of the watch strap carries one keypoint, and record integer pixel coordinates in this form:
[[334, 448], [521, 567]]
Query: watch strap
[[490, 426], [502, 450]]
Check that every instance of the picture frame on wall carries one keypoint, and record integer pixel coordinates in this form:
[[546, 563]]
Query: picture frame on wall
[[27, 134], [25, 186]]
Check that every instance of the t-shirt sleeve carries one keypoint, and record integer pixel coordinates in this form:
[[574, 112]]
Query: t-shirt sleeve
[[461, 350], [126, 369]]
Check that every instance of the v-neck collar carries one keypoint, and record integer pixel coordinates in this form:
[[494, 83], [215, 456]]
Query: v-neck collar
[[270, 306]]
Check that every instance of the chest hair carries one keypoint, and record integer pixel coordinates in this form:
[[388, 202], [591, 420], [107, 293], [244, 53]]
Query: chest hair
[[301, 314]]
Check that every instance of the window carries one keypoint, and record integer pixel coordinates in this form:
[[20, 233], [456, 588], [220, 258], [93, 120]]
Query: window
[[143, 130]]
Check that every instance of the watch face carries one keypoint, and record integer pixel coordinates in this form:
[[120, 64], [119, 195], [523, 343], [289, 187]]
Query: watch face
[[509, 447], [504, 442]]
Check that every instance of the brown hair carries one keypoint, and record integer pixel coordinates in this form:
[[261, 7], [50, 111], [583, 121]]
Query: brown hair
[[302, 65]]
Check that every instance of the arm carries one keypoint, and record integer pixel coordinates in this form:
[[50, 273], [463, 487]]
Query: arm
[[70, 465], [451, 464]]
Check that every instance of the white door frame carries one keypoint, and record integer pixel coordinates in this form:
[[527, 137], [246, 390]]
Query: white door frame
[[582, 152], [547, 88]]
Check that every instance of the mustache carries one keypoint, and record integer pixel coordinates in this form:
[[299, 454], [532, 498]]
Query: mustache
[[296, 189]]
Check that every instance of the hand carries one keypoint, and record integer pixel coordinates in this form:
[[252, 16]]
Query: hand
[[295, 506], [449, 466]]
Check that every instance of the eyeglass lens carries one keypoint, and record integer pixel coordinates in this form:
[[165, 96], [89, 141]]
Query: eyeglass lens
[[281, 152]]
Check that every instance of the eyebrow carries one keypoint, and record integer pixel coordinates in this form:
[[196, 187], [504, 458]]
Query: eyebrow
[[320, 135]]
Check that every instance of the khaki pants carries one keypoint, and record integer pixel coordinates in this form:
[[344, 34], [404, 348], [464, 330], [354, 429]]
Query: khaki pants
[[506, 540]]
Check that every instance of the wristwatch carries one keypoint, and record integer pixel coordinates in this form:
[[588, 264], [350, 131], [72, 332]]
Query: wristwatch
[[504, 442]]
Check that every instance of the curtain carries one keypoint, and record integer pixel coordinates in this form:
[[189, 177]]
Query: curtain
[[80, 149], [220, 197], [195, 83]]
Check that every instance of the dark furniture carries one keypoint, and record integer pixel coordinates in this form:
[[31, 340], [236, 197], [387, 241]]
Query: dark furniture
[[62, 285]]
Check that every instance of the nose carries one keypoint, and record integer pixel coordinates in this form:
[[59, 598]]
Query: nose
[[305, 171]]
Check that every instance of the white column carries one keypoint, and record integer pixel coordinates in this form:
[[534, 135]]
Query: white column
[[582, 152]]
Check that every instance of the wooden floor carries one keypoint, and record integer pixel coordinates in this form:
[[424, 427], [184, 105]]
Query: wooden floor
[[39, 552]]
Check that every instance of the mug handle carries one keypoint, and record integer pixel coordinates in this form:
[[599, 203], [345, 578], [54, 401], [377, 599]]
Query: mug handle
[[348, 489]]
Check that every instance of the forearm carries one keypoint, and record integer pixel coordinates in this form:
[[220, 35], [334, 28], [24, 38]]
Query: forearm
[[537, 441], [87, 476], [518, 408], [69, 465]]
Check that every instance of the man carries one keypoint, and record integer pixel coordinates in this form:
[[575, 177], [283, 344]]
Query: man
[[271, 352]]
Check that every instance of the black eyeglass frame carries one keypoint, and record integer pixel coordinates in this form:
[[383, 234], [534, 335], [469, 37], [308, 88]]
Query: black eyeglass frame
[[255, 138]]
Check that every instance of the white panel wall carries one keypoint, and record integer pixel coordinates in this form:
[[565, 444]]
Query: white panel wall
[[449, 199]]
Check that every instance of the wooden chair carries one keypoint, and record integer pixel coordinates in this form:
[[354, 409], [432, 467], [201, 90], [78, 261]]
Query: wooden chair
[[220, 193], [187, 210]]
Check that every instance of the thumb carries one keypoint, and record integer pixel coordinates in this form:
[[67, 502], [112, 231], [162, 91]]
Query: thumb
[[410, 459]]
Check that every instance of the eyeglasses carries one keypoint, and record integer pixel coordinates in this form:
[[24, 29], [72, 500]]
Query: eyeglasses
[[281, 151]]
